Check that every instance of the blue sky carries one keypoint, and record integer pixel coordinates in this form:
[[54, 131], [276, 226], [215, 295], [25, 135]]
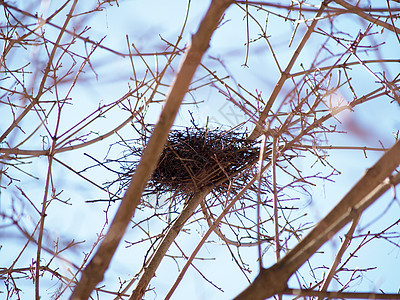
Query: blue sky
[[146, 24]]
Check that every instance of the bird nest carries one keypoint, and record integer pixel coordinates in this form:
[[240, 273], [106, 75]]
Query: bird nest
[[192, 159], [197, 157]]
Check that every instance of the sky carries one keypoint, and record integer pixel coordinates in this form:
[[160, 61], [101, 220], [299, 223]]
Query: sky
[[147, 24]]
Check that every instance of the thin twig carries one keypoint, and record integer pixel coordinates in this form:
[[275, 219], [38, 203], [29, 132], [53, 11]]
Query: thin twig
[[275, 198], [339, 255], [260, 163]]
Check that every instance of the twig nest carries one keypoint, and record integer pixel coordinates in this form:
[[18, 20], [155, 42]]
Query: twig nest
[[196, 157]]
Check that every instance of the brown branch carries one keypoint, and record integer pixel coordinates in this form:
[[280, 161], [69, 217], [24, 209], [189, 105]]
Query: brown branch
[[155, 260], [369, 188], [94, 272], [339, 255], [33, 153], [210, 220]]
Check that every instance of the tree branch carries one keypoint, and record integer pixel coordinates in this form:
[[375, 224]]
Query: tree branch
[[369, 188], [155, 260], [360, 12], [94, 272]]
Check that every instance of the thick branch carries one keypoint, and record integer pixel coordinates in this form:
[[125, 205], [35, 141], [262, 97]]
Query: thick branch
[[173, 231], [94, 272], [369, 188]]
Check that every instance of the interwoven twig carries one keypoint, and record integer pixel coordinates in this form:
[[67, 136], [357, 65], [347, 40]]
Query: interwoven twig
[[192, 159], [196, 157]]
